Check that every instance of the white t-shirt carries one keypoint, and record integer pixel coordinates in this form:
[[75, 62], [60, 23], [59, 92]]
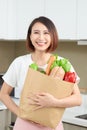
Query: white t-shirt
[[16, 73]]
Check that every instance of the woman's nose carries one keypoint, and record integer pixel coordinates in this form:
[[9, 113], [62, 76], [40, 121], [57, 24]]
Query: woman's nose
[[41, 36]]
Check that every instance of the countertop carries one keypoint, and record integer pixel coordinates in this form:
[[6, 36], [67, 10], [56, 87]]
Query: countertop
[[69, 114], [70, 117]]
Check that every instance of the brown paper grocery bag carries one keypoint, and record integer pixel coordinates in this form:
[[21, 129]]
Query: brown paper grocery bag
[[38, 82]]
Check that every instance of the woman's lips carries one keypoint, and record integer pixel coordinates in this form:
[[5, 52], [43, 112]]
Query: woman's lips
[[41, 43]]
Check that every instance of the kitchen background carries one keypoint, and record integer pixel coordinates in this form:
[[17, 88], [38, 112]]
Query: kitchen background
[[70, 18], [77, 54]]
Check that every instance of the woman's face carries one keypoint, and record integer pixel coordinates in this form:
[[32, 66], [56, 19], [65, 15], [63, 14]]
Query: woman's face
[[40, 37]]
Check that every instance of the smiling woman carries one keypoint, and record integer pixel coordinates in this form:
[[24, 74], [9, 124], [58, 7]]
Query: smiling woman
[[42, 41], [45, 31]]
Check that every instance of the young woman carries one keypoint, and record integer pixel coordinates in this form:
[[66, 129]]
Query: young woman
[[42, 40]]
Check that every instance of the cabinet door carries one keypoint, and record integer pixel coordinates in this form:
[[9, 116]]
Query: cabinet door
[[7, 19], [11, 22], [25, 11], [82, 19], [16, 15], [1, 120], [3, 18], [63, 13]]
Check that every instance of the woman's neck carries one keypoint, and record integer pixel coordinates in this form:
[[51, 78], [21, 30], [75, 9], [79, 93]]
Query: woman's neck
[[40, 58]]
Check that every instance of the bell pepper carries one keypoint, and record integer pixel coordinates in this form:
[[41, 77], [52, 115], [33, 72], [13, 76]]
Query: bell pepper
[[70, 77]]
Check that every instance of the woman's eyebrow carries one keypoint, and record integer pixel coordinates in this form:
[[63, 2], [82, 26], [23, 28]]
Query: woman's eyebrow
[[36, 29]]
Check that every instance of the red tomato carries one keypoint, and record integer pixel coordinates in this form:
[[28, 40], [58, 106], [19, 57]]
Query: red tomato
[[70, 77]]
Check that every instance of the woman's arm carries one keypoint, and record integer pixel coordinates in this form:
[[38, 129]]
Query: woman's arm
[[6, 99], [47, 100], [74, 99]]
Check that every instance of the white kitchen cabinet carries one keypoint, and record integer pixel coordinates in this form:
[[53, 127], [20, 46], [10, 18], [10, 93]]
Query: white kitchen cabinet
[[3, 18], [63, 13], [24, 12], [16, 15], [73, 127], [13, 119], [5, 119], [11, 21], [1, 120], [7, 19], [82, 19], [69, 17]]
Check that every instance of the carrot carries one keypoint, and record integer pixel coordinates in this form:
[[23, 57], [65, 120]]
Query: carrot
[[51, 60]]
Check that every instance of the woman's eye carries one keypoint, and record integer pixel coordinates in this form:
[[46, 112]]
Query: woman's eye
[[46, 32], [36, 32]]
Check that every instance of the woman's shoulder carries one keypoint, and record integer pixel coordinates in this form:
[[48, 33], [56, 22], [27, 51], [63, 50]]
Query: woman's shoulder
[[22, 58]]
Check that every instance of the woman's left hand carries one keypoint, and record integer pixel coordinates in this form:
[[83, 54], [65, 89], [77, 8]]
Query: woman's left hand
[[42, 100]]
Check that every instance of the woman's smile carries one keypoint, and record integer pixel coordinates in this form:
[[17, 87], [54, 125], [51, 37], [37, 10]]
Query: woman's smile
[[41, 43]]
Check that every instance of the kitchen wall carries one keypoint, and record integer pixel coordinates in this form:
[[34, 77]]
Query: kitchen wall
[[77, 54], [7, 54]]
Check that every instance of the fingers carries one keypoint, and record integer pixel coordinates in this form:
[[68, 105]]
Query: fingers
[[37, 107], [35, 100]]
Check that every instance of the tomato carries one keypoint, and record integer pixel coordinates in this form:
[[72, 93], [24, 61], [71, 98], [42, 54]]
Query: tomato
[[70, 77]]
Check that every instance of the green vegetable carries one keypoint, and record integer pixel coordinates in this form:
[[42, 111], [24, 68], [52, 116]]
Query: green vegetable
[[53, 65], [34, 66], [42, 71], [65, 64], [67, 67]]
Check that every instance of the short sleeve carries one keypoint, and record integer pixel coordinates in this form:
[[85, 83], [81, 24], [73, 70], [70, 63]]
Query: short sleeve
[[10, 77]]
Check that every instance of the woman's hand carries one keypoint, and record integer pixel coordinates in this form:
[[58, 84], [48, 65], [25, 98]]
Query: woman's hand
[[42, 100]]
